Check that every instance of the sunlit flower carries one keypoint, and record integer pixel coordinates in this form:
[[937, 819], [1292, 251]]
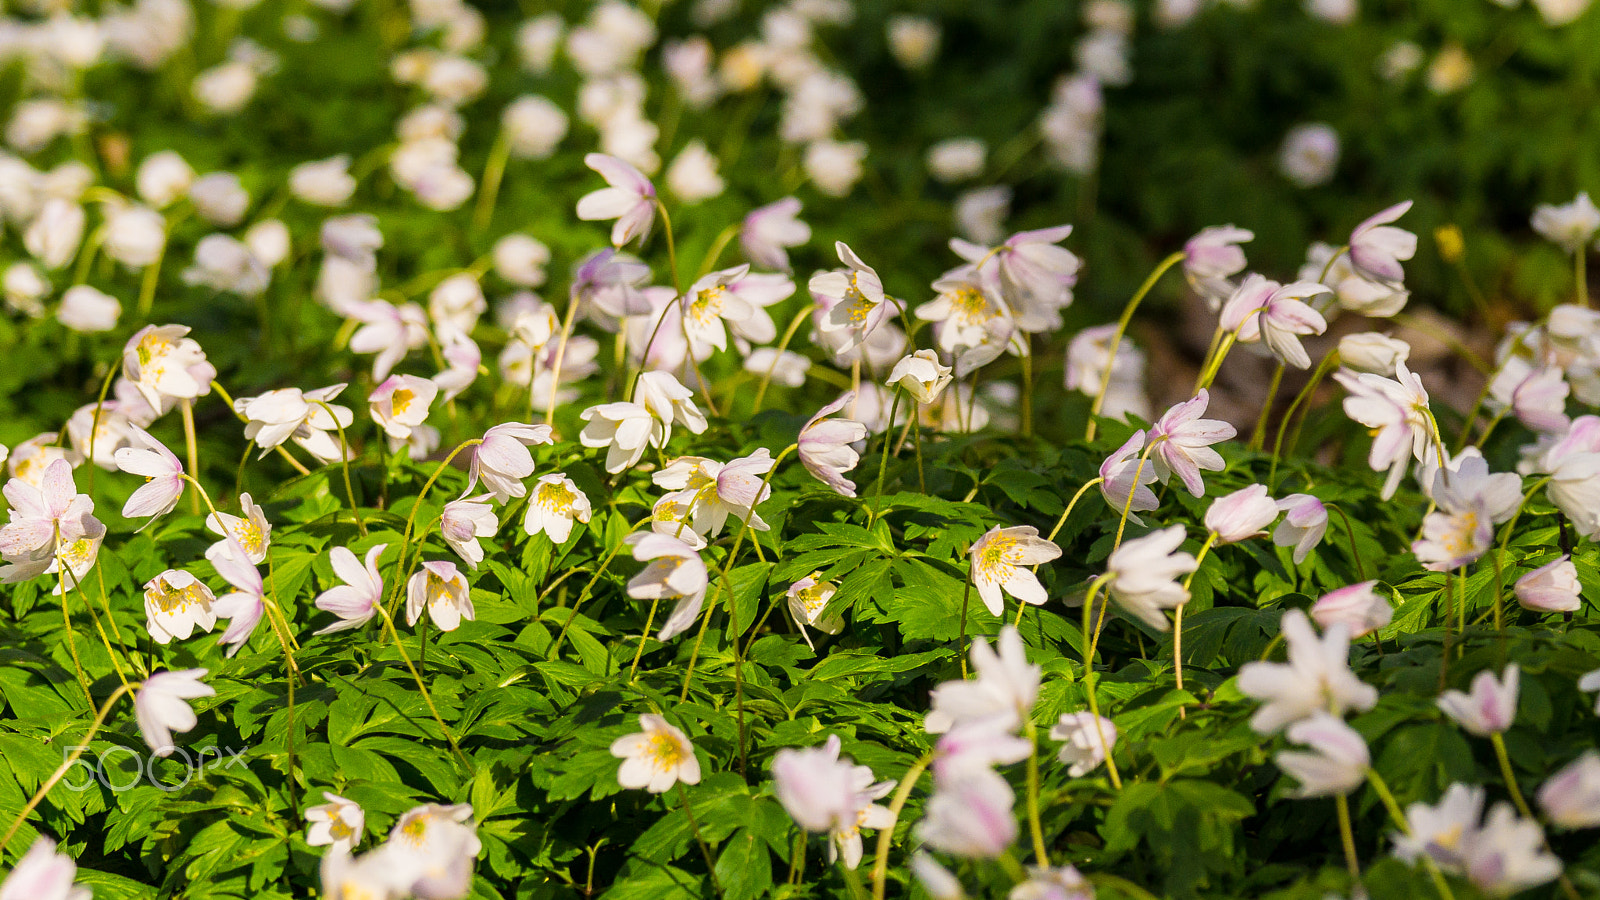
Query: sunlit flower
[[1571, 798], [430, 852], [998, 561], [850, 301], [44, 521], [244, 607], [1490, 708], [442, 589], [166, 365], [1304, 523], [1002, 694], [1142, 575], [1316, 677], [1369, 351], [1086, 738], [307, 417], [713, 491], [555, 505], [1337, 763], [1397, 412], [656, 758], [920, 375], [251, 532], [676, 572], [1125, 479], [463, 522], [161, 706], [337, 823], [826, 793], [502, 461], [808, 604], [1377, 248], [1277, 315], [1357, 607], [175, 604], [162, 471], [1471, 501], [400, 404], [1181, 443], [1553, 587], [388, 331], [356, 601], [935, 879], [1063, 882], [630, 199], [1241, 515], [1310, 154], [1569, 225], [825, 446]]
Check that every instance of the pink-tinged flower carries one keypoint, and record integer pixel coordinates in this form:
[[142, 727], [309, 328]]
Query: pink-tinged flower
[[808, 604], [713, 491], [826, 793], [462, 356], [1536, 395], [1397, 411], [502, 462], [251, 531], [770, 230], [556, 504], [1002, 694], [1471, 501], [1337, 763], [337, 823], [607, 284], [1490, 708], [1035, 276], [1571, 798], [1553, 587], [442, 589], [850, 302], [1590, 684], [1377, 248], [163, 474], [825, 447], [43, 874], [1263, 310], [998, 560], [1304, 523], [1086, 739], [970, 816], [1241, 515], [1439, 831], [43, 519], [389, 331], [356, 601], [1181, 443], [1317, 677], [175, 604], [935, 879], [1143, 575], [1126, 473], [656, 758], [977, 744], [675, 572], [166, 365], [463, 522], [161, 706], [1357, 607], [1058, 883], [243, 607], [1211, 258], [1369, 351], [630, 199], [1508, 854]]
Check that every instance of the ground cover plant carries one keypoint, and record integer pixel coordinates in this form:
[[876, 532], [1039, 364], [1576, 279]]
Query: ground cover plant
[[509, 453]]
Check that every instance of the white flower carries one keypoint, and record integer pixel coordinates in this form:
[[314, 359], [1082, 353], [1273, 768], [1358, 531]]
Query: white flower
[[337, 823], [175, 604], [356, 601], [502, 461], [1002, 694], [1508, 854], [920, 375], [1397, 410], [1377, 248], [1373, 352], [656, 758], [43, 874], [913, 40], [1310, 154], [534, 126], [713, 491], [400, 404], [786, 367], [161, 706], [970, 817], [957, 159], [244, 607], [1358, 607], [251, 532], [162, 471], [935, 879], [1571, 798], [219, 198], [1142, 575], [1471, 501], [769, 231], [693, 177], [1276, 315], [521, 259], [326, 182], [163, 178], [55, 233], [456, 304], [1241, 515], [1440, 831], [630, 199], [1316, 677], [88, 310], [1337, 763], [443, 590], [224, 263], [1569, 226], [1125, 479], [1035, 277], [1553, 587], [388, 331], [850, 301], [1181, 443], [1490, 708], [45, 521], [826, 793], [164, 363], [825, 446], [1211, 259], [430, 853], [808, 603], [555, 504], [675, 572], [997, 564], [463, 522], [1086, 738]]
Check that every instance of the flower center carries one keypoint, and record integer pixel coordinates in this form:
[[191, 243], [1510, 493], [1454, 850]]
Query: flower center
[[992, 558], [557, 499], [400, 400], [663, 751]]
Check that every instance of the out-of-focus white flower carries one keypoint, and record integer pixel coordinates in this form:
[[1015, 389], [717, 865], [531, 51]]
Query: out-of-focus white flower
[[1086, 738], [786, 367], [1490, 708], [1451, 70], [828, 794], [338, 823], [1142, 575], [268, 241], [1089, 364], [88, 310], [1053, 883], [538, 40], [1570, 225], [1310, 154], [834, 166], [1103, 55], [1377, 248], [521, 259], [1125, 479], [219, 198], [533, 126], [980, 214], [1337, 763], [1553, 587], [35, 123], [55, 233], [356, 601], [440, 588], [970, 817], [326, 182], [1001, 695], [1371, 352], [556, 503], [175, 604], [1241, 515], [630, 199], [1357, 607], [225, 89], [134, 235], [1316, 678], [224, 263], [693, 177], [675, 572], [997, 564], [935, 879], [1211, 259], [161, 705], [770, 230], [913, 40], [957, 159], [1034, 276], [43, 874], [24, 288], [656, 758], [1571, 798], [163, 178]]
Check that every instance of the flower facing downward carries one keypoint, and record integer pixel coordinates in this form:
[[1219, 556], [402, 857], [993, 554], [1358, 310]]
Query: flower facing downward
[[998, 559], [656, 758], [162, 471], [356, 601], [824, 446], [971, 817], [175, 604], [1571, 798], [1357, 607], [630, 199], [1086, 740], [161, 706], [337, 823], [1002, 694], [770, 230], [1553, 587], [463, 522], [556, 504], [1377, 248], [1317, 677], [1142, 575], [1397, 412], [43, 874], [1337, 763], [850, 301], [1211, 258], [1241, 515], [1125, 479], [1182, 442], [244, 607], [1304, 523], [1490, 708], [502, 461], [675, 572], [440, 587], [920, 375]]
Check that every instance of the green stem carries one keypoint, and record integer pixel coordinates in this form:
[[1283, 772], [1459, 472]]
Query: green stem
[[66, 764], [1122, 328], [394, 635], [883, 461], [1510, 777], [1088, 674], [880, 864], [411, 521], [1041, 854], [1177, 627], [493, 172], [783, 344], [1347, 838], [1399, 818], [705, 849], [192, 448], [344, 458], [1327, 363], [1259, 435]]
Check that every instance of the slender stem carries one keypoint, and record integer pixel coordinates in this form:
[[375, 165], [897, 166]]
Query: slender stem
[[388, 622], [555, 646], [1399, 818], [966, 602], [1258, 436], [1347, 837], [191, 447], [1088, 674], [1328, 362], [344, 458], [1350, 535], [783, 344], [292, 674], [1027, 391], [62, 571], [94, 422], [1177, 627], [880, 864], [922, 483], [1122, 328], [1127, 506], [1581, 258], [672, 247], [1510, 777], [1074, 502], [644, 638], [66, 764], [493, 171], [411, 518], [717, 246], [72, 646], [705, 849], [555, 370], [1041, 854], [883, 461]]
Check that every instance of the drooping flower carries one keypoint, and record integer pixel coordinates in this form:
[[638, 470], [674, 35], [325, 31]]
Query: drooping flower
[[675, 572], [308, 417], [337, 823], [1490, 708], [1086, 739], [250, 532], [1241, 515], [1063, 882], [356, 601], [1471, 501], [440, 588], [1001, 694], [162, 471], [1571, 798], [935, 879], [920, 375], [175, 604], [1125, 480], [463, 522], [850, 301], [1276, 315], [161, 706], [1142, 575], [1304, 523], [1507, 854], [1553, 587], [971, 816], [1377, 248], [1211, 258], [502, 462], [1316, 677], [713, 491], [556, 504], [1397, 410], [824, 446], [656, 758], [1181, 443], [1337, 763], [1035, 277], [630, 199], [808, 603], [825, 793], [43, 874], [770, 230], [387, 330], [243, 607], [997, 565], [1372, 352], [1358, 607]]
